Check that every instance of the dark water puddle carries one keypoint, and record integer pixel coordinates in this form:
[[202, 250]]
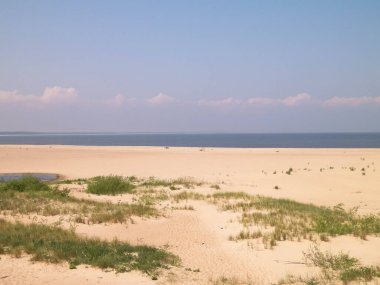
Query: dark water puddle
[[40, 176]]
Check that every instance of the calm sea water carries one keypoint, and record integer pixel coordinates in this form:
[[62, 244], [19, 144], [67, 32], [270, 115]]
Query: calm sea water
[[320, 140]]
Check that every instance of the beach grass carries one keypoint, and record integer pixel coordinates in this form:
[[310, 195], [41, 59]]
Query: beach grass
[[291, 219], [72, 181], [327, 260], [52, 244], [288, 219], [31, 196], [186, 182], [340, 266], [109, 185], [24, 184], [114, 184], [273, 219]]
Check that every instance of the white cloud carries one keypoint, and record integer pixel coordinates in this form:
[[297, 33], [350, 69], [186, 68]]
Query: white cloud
[[262, 101], [296, 99], [51, 95], [287, 101], [219, 103], [58, 94], [10, 96], [120, 99], [116, 100], [351, 101], [160, 99], [305, 97]]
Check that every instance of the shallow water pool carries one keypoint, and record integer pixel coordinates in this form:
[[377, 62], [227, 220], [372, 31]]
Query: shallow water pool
[[40, 176]]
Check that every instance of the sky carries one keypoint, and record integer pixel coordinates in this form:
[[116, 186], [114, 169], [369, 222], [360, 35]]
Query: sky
[[190, 66]]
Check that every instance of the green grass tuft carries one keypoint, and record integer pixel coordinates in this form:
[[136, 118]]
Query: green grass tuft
[[341, 266], [288, 219], [327, 260], [109, 185], [293, 220], [24, 184], [361, 273], [186, 182], [50, 201], [51, 244]]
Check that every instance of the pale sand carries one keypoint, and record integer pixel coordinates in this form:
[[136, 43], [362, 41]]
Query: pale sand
[[200, 237]]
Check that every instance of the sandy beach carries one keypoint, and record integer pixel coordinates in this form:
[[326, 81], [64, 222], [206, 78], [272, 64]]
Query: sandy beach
[[200, 237], [190, 142]]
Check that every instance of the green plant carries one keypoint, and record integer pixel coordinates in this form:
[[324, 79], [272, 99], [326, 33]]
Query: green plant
[[340, 266], [51, 201], [24, 184], [361, 273], [246, 234], [186, 182], [294, 220], [327, 260], [72, 181], [55, 245], [109, 185]]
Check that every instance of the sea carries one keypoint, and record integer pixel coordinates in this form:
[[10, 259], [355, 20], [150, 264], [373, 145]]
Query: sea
[[229, 140]]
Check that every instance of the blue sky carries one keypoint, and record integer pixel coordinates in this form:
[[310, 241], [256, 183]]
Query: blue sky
[[190, 66]]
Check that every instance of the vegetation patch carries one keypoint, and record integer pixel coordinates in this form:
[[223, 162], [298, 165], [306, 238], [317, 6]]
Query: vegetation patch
[[335, 268], [341, 266], [51, 244], [24, 184], [113, 185], [186, 182], [30, 196], [292, 219], [287, 219], [267, 218], [109, 185], [78, 181]]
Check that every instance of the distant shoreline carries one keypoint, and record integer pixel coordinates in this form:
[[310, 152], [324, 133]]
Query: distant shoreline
[[216, 140]]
